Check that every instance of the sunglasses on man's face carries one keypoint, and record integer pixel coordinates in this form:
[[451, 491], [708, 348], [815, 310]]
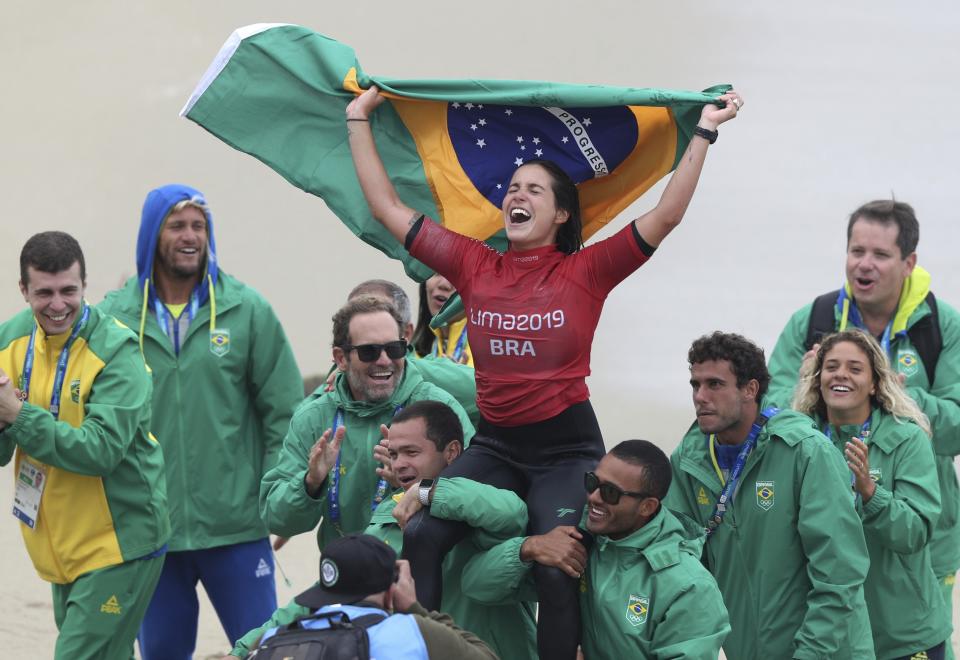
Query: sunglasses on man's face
[[371, 352], [608, 492]]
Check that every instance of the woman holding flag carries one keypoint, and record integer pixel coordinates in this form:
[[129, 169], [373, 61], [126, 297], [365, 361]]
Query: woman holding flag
[[531, 316], [856, 399]]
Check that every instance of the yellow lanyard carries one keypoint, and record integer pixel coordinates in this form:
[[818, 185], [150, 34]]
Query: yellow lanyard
[[713, 458]]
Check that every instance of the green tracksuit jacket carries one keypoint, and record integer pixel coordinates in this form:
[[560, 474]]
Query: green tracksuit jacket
[[940, 400], [643, 596], [220, 414], [790, 555], [104, 502], [285, 505], [907, 612], [510, 628]]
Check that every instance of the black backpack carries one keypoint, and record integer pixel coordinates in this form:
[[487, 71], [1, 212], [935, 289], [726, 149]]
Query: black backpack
[[924, 334], [343, 640]]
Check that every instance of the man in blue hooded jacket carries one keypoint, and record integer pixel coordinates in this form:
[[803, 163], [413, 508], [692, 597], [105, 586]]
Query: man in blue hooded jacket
[[225, 386]]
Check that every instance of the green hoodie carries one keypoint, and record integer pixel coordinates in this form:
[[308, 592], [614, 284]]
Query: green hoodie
[[643, 596], [509, 629], [939, 400], [219, 413], [790, 555], [907, 612], [285, 505]]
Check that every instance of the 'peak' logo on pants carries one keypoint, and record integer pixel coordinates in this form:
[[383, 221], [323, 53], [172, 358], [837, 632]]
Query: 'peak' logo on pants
[[112, 606], [262, 569]]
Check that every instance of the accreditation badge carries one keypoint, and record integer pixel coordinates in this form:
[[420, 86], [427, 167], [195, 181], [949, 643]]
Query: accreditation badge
[[220, 341], [31, 480], [765, 495]]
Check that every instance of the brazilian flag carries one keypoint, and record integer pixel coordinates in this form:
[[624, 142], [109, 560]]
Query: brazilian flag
[[279, 93]]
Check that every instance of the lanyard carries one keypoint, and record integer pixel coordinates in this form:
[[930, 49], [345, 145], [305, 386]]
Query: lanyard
[[726, 495], [61, 372], [457, 350], [170, 325], [857, 320], [864, 432], [334, 497]]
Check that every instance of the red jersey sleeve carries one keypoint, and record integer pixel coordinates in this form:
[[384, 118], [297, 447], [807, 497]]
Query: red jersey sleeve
[[448, 252], [610, 261]]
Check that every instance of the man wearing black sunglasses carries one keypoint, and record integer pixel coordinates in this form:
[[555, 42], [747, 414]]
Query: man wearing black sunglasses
[[784, 539], [327, 470], [643, 592]]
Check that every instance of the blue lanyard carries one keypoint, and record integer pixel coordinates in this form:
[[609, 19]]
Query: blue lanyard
[[334, 497], [61, 372], [726, 495], [864, 432], [171, 326], [857, 321], [457, 350]]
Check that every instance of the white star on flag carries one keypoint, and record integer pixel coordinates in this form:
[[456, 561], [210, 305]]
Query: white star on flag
[[586, 121], [536, 140], [469, 106], [482, 122], [473, 127], [455, 105], [508, 111], [565, 139], [519, 138], [538, 153], [518, 162], [481, 143]]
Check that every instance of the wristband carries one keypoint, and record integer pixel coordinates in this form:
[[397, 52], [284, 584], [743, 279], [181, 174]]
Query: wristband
[[705, 133]]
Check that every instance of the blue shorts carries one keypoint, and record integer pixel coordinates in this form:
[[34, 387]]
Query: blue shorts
[[237, 578]]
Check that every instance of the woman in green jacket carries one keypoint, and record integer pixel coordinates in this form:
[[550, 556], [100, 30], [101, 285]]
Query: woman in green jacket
[[850, 389]]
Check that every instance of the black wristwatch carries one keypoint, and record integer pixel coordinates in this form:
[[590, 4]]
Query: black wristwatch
[[423, 492]]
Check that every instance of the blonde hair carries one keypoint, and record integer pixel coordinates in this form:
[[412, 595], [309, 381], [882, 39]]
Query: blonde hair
[[196, 202], [889, 394]]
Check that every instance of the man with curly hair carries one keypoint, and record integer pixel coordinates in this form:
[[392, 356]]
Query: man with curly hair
[[784, 541]]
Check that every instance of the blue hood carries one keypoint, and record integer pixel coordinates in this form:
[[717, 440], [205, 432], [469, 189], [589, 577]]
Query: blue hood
[[157, 206]]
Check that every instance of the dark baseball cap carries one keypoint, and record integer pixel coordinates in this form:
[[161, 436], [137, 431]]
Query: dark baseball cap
[[351, 568]]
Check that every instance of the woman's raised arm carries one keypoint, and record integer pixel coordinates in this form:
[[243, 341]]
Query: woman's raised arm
[[655, 224], [381, 196]]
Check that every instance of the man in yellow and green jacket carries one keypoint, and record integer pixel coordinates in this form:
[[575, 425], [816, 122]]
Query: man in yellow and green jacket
[[89, 494]]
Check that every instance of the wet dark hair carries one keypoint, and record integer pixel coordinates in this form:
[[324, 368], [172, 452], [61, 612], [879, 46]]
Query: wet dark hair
[[890, 212], [51, 252], [442, 424], [570, 233], [746, 358], [657, 472]]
